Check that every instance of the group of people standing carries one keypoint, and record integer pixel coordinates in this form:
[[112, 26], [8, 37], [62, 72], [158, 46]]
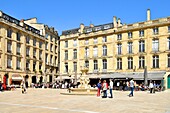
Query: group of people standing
[[104, 87]]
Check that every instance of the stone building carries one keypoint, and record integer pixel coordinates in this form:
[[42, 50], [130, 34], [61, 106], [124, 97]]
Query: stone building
[[23, 51], [119, 51]]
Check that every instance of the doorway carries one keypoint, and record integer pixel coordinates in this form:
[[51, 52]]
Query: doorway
[[34, 79], [168, 79]]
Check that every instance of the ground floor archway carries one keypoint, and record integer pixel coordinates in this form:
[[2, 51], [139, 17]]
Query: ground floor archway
[[168, 82], [34, 79]]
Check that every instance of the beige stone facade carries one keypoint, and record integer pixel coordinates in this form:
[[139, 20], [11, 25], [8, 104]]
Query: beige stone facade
[[117, 50], [23, 51]]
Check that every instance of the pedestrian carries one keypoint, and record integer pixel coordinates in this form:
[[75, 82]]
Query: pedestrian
[[131, 87], [0, 86], [151, 87], [105, 87], [111, 88], [99, 86], [23, 87], [154, 87]]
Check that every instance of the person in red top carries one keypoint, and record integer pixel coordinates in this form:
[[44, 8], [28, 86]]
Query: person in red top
[[105, 87]]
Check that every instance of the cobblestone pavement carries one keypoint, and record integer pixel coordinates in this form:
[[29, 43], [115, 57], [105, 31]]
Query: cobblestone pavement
[[51, 101]]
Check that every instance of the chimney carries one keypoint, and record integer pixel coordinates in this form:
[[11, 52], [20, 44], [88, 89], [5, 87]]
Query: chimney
[[148, 15], [1, 13], [115, 21], [81, 28], [91, 25], [119, 22]]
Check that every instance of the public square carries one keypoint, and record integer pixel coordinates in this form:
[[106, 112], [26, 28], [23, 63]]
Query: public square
[[51, 101]]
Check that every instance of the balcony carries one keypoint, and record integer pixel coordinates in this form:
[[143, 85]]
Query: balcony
[[104, 70]]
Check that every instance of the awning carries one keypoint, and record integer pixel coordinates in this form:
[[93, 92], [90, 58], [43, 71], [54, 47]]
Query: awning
[[157, 75], [16, 77], [63, 78]]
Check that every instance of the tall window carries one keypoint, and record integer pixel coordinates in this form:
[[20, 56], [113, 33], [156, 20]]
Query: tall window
[[95, 65], [9, 46], [155, 61], [66, 44], [34, 42], [104, 50], [87, 64], [168, 43], [18, 48], [46, 36], [130, 47], [66, 67], [51, 48], [9, 61], [155, 45], [119, 63], [130, 63], [86, 42], [168, 29], [75, 66], [104, 39], [129, 34], [119, 49], [46, 58], [155, 31], [9, 33], [51, 38], [141, 46], [27, 39], [66, 55], [141, 62], [95, 40], [40, 66], [104, 64], [74, 42], [27, 64], [95, 51], [40, 44], [27, 51], [18, 63], [46, 45], [141, 33], [119, 37], [18, 36], [34, 53], [168, 60], [51, 59], [86, 52], [40, 55], [34, 66], [75, 53]]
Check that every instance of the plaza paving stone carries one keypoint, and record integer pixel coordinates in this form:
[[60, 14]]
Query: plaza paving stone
[[51, 101]]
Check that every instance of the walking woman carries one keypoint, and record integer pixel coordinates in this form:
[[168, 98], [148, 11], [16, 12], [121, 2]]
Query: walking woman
[[99, 86], [105, 87]]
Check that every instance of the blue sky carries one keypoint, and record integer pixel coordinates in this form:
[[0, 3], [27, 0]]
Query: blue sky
[[68, 14]]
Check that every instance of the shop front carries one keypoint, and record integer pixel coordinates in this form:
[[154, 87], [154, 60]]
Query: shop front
[[16, 79]]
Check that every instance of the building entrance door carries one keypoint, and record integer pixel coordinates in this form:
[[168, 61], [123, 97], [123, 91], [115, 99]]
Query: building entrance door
[[168, 81], [34, 79]]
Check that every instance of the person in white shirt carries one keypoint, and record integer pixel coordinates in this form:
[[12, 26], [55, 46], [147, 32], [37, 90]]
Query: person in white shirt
[[131, 87], [151, 87], [111, 88]]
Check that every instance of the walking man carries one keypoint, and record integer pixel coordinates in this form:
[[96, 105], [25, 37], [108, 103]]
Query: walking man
[[111, 88], [131, 87], [151, 87]]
